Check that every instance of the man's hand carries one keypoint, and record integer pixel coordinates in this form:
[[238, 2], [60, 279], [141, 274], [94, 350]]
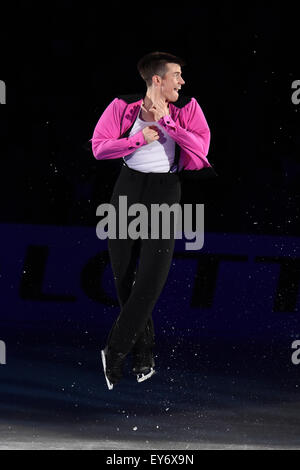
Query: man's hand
[[159, 109], [159, 106], [151, 133]]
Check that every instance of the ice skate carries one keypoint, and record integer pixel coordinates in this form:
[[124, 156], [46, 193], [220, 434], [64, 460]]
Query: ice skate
[[112, 366], [143, 364]]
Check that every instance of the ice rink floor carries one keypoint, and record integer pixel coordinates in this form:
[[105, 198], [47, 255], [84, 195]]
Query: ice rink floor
[[66, 405]]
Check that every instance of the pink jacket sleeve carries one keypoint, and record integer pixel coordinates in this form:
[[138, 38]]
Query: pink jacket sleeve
[[106, 143], [195, 138]]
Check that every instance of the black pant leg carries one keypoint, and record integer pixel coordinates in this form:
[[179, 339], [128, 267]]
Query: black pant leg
[[154, 264]]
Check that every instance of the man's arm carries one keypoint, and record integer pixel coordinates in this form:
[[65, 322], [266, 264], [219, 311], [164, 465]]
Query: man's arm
[[106, 143], [196, 138]]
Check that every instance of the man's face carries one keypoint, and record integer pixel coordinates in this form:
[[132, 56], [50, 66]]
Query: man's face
[[171, 82]]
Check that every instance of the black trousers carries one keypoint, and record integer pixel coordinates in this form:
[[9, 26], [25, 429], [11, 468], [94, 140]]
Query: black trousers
[[139, 285]]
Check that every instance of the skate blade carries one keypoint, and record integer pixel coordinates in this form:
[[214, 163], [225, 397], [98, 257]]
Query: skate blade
[[142, 377], [109, 384]]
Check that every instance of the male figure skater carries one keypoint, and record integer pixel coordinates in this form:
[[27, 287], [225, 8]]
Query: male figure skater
[[156, 140]]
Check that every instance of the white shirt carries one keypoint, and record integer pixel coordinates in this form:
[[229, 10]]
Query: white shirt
[[156, 157]]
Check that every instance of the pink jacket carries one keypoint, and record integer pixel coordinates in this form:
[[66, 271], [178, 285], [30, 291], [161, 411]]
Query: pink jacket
[[186, 125]]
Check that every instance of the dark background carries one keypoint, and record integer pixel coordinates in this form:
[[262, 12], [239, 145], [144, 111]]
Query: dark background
[[63, 63]]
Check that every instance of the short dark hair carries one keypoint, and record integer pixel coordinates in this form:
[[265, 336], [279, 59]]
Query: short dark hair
[[154, 63]]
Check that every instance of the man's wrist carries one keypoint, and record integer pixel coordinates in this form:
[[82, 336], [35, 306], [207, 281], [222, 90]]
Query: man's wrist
[[137, 140], [167, 121]]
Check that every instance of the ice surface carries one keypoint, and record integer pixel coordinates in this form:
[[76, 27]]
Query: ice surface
[[47, 405]]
